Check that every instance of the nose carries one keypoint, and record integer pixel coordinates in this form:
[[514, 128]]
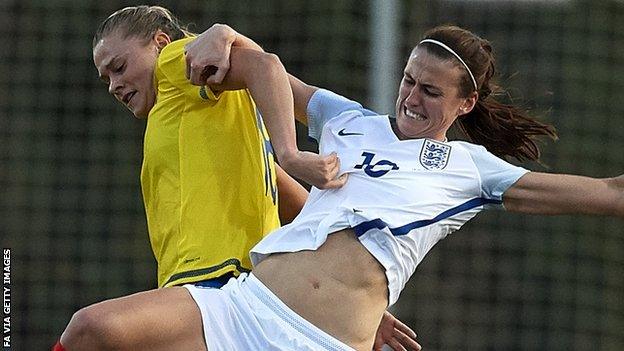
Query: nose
[[114, 86], [413, 96]]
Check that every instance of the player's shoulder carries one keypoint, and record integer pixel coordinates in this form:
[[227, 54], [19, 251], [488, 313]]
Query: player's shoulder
[[481, 158], [171, 57], [468, 147], [353, 119], [330, 104], [175, 48], [470, 152]]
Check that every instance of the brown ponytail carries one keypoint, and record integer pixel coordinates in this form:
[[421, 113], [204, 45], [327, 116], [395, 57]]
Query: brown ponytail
[[505, 130]]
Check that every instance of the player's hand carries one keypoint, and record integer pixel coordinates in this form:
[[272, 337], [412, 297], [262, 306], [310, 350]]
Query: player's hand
[[208, 56], [319, 171], [394, 333]]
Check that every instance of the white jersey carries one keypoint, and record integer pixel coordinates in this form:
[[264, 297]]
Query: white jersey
[[402, 196]]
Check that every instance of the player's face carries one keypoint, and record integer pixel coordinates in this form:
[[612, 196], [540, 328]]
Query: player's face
[[127, 66], [429, 100]]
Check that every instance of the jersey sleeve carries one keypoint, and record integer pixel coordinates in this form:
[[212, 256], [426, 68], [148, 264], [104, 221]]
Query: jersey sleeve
[[496, 174], [325, 105]]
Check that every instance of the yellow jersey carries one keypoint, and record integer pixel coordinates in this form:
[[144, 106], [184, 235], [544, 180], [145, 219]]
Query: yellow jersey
[[208, 176]]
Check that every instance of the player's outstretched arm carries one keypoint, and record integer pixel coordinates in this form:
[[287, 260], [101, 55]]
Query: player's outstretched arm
[[552, 194]]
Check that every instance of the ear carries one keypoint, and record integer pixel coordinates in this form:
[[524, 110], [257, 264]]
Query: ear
[[468, 104], [161, 39]]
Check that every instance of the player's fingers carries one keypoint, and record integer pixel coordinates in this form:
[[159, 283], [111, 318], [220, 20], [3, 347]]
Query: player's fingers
[[206, 74], [193, 69], [330, 176], [195, 73], [333, 164], [405, 329], [406, 340], [219, 75], [333, 170], [378, 344], [336, 183], [396, 345], [330, 159], [326, 167]]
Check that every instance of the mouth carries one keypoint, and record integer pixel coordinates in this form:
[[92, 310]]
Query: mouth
[[413, 115], [127, 97]]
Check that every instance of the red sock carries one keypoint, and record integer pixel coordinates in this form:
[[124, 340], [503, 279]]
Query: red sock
[[58, 346]]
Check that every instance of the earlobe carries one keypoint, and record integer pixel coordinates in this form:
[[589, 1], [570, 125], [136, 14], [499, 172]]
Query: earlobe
[[468, 104], [464, 108]]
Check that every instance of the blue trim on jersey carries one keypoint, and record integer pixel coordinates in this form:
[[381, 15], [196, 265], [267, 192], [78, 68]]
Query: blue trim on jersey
[[363, 227], [267, 149]]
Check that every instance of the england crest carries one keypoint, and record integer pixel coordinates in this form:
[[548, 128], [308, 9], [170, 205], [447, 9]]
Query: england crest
[[434, 155]]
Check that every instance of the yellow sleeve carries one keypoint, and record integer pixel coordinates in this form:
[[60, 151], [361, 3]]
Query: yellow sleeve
[[171, 73]]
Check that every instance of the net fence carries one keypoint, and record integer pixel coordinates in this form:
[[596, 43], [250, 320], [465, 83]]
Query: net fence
[[71, 209]]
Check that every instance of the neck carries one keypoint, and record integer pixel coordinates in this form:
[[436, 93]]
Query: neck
[[401, 136], [396, 130]]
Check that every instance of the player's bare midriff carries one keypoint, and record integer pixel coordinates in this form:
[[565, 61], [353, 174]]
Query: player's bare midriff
[[330, 288]]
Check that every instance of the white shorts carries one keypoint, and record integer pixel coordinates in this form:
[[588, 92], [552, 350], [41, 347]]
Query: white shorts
[[245, 315]]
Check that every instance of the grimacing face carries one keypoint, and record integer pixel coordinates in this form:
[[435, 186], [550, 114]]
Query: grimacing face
[[429, 101], [126, 65]]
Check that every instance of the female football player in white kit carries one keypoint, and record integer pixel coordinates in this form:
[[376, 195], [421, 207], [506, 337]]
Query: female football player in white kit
[[324, 281]]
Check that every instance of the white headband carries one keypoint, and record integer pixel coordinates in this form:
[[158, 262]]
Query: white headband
[[474, 82]]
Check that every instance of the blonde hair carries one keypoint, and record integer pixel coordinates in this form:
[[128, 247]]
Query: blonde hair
[[141, 22]]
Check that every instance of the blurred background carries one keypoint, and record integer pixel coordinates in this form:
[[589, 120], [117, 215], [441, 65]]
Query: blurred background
[[71, 209]]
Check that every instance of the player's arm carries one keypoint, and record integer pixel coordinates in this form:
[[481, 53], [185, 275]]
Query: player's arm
[[292, 196], [302, 93], [265, 77], [207, 61], [552, 194], [208, 56], [267, 81]]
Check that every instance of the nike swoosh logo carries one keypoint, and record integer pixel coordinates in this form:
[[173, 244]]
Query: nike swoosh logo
[[343, 133]]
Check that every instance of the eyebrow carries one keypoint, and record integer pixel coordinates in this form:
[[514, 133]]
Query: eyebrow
[[426, 85], [431, 86]]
